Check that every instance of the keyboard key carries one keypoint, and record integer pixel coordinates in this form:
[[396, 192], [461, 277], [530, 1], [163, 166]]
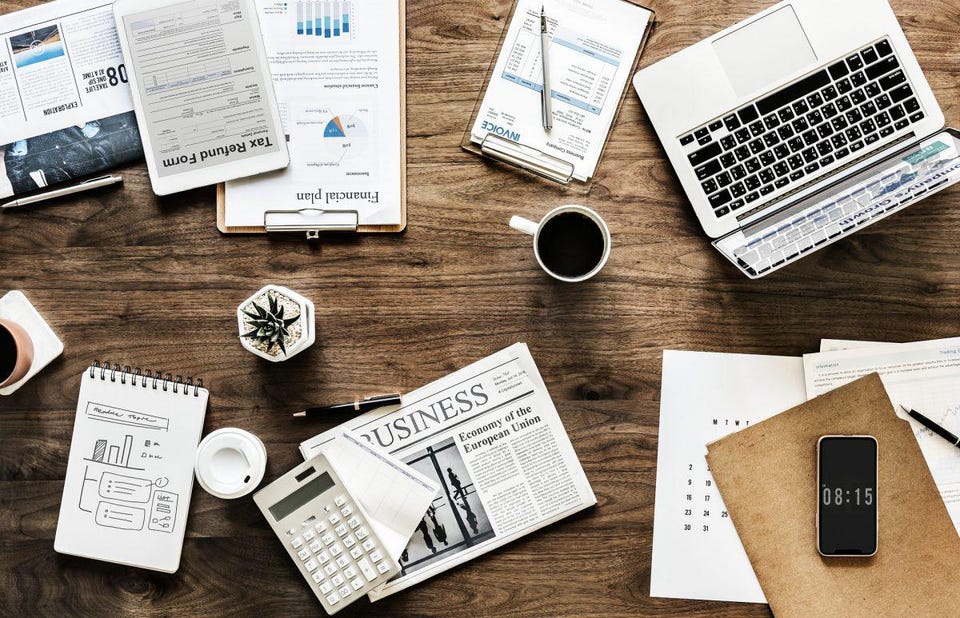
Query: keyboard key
[[781, 151], [728, 160], [793, 92], [868, 126], [854, 116], [883, 101], [797, 175], [309, 535], [350, 572], [330, 569], [737, 190], [781, 182], [838, 140], [767, 158], [781, 169], [756, 146], [731, 122], [814, 117], [346, 511], [785, 132], [703, 172], [323, 557], [771, 121], [686, 139], [752, 183], [734, 205], [796, 162], [332, 598], [315, 546], [829, 110], [883, 48], [338, 580], [356, 553], [367, 569], [886, 131], [853, 133], [340, 530], [311, 565], [704, 140], [800, 107], [771, 139], [334, 519], [766, 176], [839, 123], [901, 93], [756, 128], [868, 109], [327, 538], [748, 114], [824, 148], [336, 550], [827, 160], [722, 211], [318, 577], [728, 142], [357, 584], [869, 55], [825, 130], [871, 138], [843, 104], [752, 197], [753, 165], [303, 554], [349, 541], [709, 186], [742, 135], [872, 89], [344, 592], [810, 154], [716, 125], [297, 543], [911, 105], [326, 587], [897, 112], [810, 137], [916, 117], [815, 100], [719, 199], [855, 146], [383, 567], [811, 168], [785, 114], [854, 62], [343, 561], [841, 153], [340, 501], [367, 545], [858, 96], [858, 79], [883, 119], [829, 93], [882, 68], [800, 125], [796, 144], [766, 189], [738, 172], [723, 180], [844, 86], [696, 158], [743, 153], [838, 70]]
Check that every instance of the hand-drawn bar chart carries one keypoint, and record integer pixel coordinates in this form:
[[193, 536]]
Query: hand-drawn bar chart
[[113, 454], [325, 18]]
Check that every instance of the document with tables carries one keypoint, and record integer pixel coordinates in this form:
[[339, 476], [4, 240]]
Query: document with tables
[[338, 69]]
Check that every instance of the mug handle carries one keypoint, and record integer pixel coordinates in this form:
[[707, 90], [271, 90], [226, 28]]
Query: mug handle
[[524, 225]]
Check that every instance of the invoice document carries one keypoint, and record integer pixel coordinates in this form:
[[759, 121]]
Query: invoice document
[[336, 68], [594, 44], [923, 376], [697, 553]]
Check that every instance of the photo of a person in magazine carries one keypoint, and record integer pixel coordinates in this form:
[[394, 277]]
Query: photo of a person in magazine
[[456, 521], [69, 154]]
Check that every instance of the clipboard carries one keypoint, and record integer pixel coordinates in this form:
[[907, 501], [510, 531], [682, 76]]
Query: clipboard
[[529, 160], [766, 475], [316, 221]]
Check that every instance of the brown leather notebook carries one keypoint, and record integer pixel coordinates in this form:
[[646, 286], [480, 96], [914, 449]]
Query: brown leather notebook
[[766, 475]]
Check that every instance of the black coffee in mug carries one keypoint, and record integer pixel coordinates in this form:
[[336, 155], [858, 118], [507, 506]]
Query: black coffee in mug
[[571, 245], [8, 354]]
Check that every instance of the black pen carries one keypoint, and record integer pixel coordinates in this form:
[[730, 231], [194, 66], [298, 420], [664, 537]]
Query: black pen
[[358, 406], [937, 429]]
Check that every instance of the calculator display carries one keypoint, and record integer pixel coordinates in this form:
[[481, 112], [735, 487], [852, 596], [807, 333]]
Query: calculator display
[[302, 496]]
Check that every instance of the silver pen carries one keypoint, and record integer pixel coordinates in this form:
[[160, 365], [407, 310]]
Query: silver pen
[[88, 185], [545, 98]]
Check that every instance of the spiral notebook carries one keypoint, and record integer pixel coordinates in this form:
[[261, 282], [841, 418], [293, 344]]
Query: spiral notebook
[[130, 470]]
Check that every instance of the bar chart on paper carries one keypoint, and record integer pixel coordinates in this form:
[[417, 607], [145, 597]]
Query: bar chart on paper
[[325, 18]]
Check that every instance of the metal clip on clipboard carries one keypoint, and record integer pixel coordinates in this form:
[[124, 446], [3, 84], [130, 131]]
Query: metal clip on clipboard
[[313, 221], [528, 158]]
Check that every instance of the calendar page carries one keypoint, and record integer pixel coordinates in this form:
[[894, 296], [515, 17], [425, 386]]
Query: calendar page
[[704, 396]]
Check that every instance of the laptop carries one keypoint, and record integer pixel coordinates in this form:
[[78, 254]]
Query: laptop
[[798, 127]]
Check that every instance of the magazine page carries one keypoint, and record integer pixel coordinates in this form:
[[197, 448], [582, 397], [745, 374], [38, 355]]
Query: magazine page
[[491, 437], [66, 110]]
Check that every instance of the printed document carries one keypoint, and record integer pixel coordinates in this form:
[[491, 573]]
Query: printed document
[[923, 376], [65, 106], [697, 553], [594, 44], [491, 439], [336, 68], [199, 78]]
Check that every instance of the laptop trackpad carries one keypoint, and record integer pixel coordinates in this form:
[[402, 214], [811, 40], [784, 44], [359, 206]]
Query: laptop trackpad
[[764, 52]]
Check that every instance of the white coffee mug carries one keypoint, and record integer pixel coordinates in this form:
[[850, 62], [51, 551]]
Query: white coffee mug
[[230, 463], [536, 229]]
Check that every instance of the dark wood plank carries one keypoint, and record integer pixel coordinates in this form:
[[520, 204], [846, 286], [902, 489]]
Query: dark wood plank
[[126, 276]]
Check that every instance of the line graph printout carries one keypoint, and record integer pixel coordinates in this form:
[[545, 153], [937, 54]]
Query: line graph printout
[[924, 376], [696, 551]]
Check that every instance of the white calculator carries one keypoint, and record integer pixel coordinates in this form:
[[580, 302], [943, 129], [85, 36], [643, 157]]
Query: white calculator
[[326, 534]]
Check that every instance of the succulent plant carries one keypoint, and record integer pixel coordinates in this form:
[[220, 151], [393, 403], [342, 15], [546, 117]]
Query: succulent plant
[[268, 326]]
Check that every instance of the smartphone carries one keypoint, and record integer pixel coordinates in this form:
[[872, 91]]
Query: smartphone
[[847, 518]]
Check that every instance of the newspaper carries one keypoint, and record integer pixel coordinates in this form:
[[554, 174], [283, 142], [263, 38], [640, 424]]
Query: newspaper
[[491, 437], [66, 110]]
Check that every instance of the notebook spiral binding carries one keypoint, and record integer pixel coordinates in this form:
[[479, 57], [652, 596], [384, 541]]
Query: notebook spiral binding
[[146, 379]]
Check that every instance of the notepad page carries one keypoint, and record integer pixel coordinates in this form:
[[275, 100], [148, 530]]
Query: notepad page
[[130, 471]]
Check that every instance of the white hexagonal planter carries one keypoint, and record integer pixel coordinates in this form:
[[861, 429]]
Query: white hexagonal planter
[[277, 306]]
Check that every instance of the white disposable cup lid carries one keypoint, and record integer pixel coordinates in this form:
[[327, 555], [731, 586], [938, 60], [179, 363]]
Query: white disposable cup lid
[[230, 463]]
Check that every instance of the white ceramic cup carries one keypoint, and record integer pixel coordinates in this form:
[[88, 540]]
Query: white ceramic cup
[[230, 463], [534, 229]]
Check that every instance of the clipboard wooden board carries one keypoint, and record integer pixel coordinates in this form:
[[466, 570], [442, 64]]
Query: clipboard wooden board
[[767, 478], [362, 229]]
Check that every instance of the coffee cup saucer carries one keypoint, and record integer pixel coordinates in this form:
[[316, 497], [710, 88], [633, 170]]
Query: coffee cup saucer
[[47, 346]]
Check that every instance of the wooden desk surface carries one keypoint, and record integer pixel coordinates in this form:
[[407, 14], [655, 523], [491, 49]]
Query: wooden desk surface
[[125, 276]]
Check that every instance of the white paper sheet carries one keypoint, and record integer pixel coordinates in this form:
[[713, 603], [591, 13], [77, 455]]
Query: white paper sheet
[[924, 376], [704, 396], [834, 345], [594, 44], [394, 495]]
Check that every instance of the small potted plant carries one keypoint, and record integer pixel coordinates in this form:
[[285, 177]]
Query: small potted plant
[[276, 323]]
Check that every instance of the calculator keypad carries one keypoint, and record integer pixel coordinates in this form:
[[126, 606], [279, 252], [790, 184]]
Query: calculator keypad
[[340, 556]]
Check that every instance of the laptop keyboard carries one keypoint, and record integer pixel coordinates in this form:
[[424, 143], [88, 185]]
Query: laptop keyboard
[[820, 122]]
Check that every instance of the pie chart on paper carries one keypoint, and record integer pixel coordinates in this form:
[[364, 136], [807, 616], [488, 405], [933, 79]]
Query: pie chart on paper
[[345, 136]]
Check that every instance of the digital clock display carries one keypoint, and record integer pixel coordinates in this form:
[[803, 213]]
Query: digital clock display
[[847, 495]]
